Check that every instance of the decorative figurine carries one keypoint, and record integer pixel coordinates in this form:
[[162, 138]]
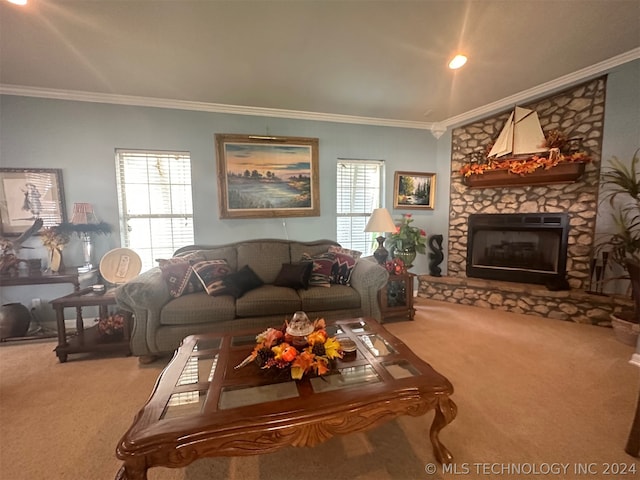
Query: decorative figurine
[[436, 257]]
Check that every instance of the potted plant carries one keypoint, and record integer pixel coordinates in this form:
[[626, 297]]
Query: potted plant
[[407, 241], [621, 188]]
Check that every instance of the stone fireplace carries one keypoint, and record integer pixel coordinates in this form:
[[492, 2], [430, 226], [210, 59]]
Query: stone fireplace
[[577, 112]]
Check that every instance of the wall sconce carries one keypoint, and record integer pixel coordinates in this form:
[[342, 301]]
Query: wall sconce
[[380, 222]]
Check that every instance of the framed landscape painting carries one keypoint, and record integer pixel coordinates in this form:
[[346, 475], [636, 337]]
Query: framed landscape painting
[[267, 177], [27, 194], [414, 190]]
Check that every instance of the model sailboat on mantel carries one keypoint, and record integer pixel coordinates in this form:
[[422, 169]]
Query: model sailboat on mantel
[[521, 135], [522, 156]]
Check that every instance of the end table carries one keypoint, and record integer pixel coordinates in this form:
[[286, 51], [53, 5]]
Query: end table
[[396, 297], [90, 339]]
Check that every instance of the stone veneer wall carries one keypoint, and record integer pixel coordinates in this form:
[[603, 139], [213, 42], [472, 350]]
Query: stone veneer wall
[[576, 112], [572, 305]]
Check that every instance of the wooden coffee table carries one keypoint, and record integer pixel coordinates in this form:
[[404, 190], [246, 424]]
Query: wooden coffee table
[[202, 407]]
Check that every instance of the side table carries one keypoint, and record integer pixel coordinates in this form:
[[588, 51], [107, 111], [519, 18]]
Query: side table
[[396, 297], [90, 339], [69, 275]]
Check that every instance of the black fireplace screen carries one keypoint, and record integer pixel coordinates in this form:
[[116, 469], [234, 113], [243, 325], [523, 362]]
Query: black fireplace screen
[[529, 248]]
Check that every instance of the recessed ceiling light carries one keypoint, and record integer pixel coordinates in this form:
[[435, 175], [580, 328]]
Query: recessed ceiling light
[[457, 62], [18, 2]]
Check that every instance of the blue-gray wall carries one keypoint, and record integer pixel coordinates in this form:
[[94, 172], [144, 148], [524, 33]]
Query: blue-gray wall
[[621, 138], [80, 138]]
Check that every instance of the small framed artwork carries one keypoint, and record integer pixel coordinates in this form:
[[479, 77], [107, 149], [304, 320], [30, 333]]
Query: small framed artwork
[[267, 177], [414, 190], [27, 194]]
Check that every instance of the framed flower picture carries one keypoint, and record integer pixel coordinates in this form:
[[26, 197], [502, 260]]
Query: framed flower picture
[[414, 190], [27, 194]]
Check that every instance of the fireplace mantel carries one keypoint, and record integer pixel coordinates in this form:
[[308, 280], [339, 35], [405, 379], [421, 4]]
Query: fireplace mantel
[[561, 173]]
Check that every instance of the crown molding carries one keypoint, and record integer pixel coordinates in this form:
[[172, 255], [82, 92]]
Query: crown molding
[[130, 100], [436, 128], [545, 88]]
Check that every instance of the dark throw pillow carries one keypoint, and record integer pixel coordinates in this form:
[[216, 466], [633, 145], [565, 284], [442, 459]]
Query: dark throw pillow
[[294, 275], [210, 273], [240, 282]]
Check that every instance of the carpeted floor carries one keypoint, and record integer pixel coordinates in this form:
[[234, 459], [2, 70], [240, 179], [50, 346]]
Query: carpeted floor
[[532, 393]]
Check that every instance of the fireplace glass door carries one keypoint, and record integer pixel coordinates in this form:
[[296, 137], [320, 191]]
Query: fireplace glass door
[[529, 248]]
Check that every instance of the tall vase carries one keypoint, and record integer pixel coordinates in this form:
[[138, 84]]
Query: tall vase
[[55, 260], [87, 249], [407, 255]]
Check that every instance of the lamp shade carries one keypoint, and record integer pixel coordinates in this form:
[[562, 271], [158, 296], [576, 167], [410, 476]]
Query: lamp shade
[[83, 214], [380, 221]]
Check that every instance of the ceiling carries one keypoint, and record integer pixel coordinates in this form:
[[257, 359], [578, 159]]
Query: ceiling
[[359, 61]]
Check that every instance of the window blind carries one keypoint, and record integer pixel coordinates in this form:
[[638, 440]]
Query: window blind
[[359, 191], [155, 201]]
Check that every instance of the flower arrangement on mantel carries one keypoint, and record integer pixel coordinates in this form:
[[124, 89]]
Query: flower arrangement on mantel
[[274, 350], [560, 151]]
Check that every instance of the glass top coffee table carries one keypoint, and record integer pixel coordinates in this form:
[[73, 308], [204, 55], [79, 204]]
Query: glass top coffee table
[[202, 406]]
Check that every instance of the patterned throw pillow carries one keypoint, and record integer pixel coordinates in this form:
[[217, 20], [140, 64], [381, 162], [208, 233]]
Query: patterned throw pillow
[[294, 275], [342, 269], [178, 274], [322, 268], [210, 274], [352, 253]]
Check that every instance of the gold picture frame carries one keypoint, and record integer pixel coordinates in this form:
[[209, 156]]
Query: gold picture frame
[[267, 177], [414, 190], [27, 194]]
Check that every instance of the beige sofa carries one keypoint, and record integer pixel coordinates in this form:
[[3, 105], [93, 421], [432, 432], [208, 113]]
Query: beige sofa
[[162, 321]]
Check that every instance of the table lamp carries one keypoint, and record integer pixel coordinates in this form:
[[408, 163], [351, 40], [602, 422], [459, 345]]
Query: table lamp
[[83, 215], [380, 222]]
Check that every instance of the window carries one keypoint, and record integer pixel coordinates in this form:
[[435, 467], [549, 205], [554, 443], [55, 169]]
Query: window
[[156, 208], [359, 190]]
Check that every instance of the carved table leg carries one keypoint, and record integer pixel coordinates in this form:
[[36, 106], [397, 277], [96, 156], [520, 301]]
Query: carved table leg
[[130, 471], [446, 411]]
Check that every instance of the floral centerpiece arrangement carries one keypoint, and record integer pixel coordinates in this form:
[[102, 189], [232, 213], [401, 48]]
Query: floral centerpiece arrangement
[[275, 350]]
